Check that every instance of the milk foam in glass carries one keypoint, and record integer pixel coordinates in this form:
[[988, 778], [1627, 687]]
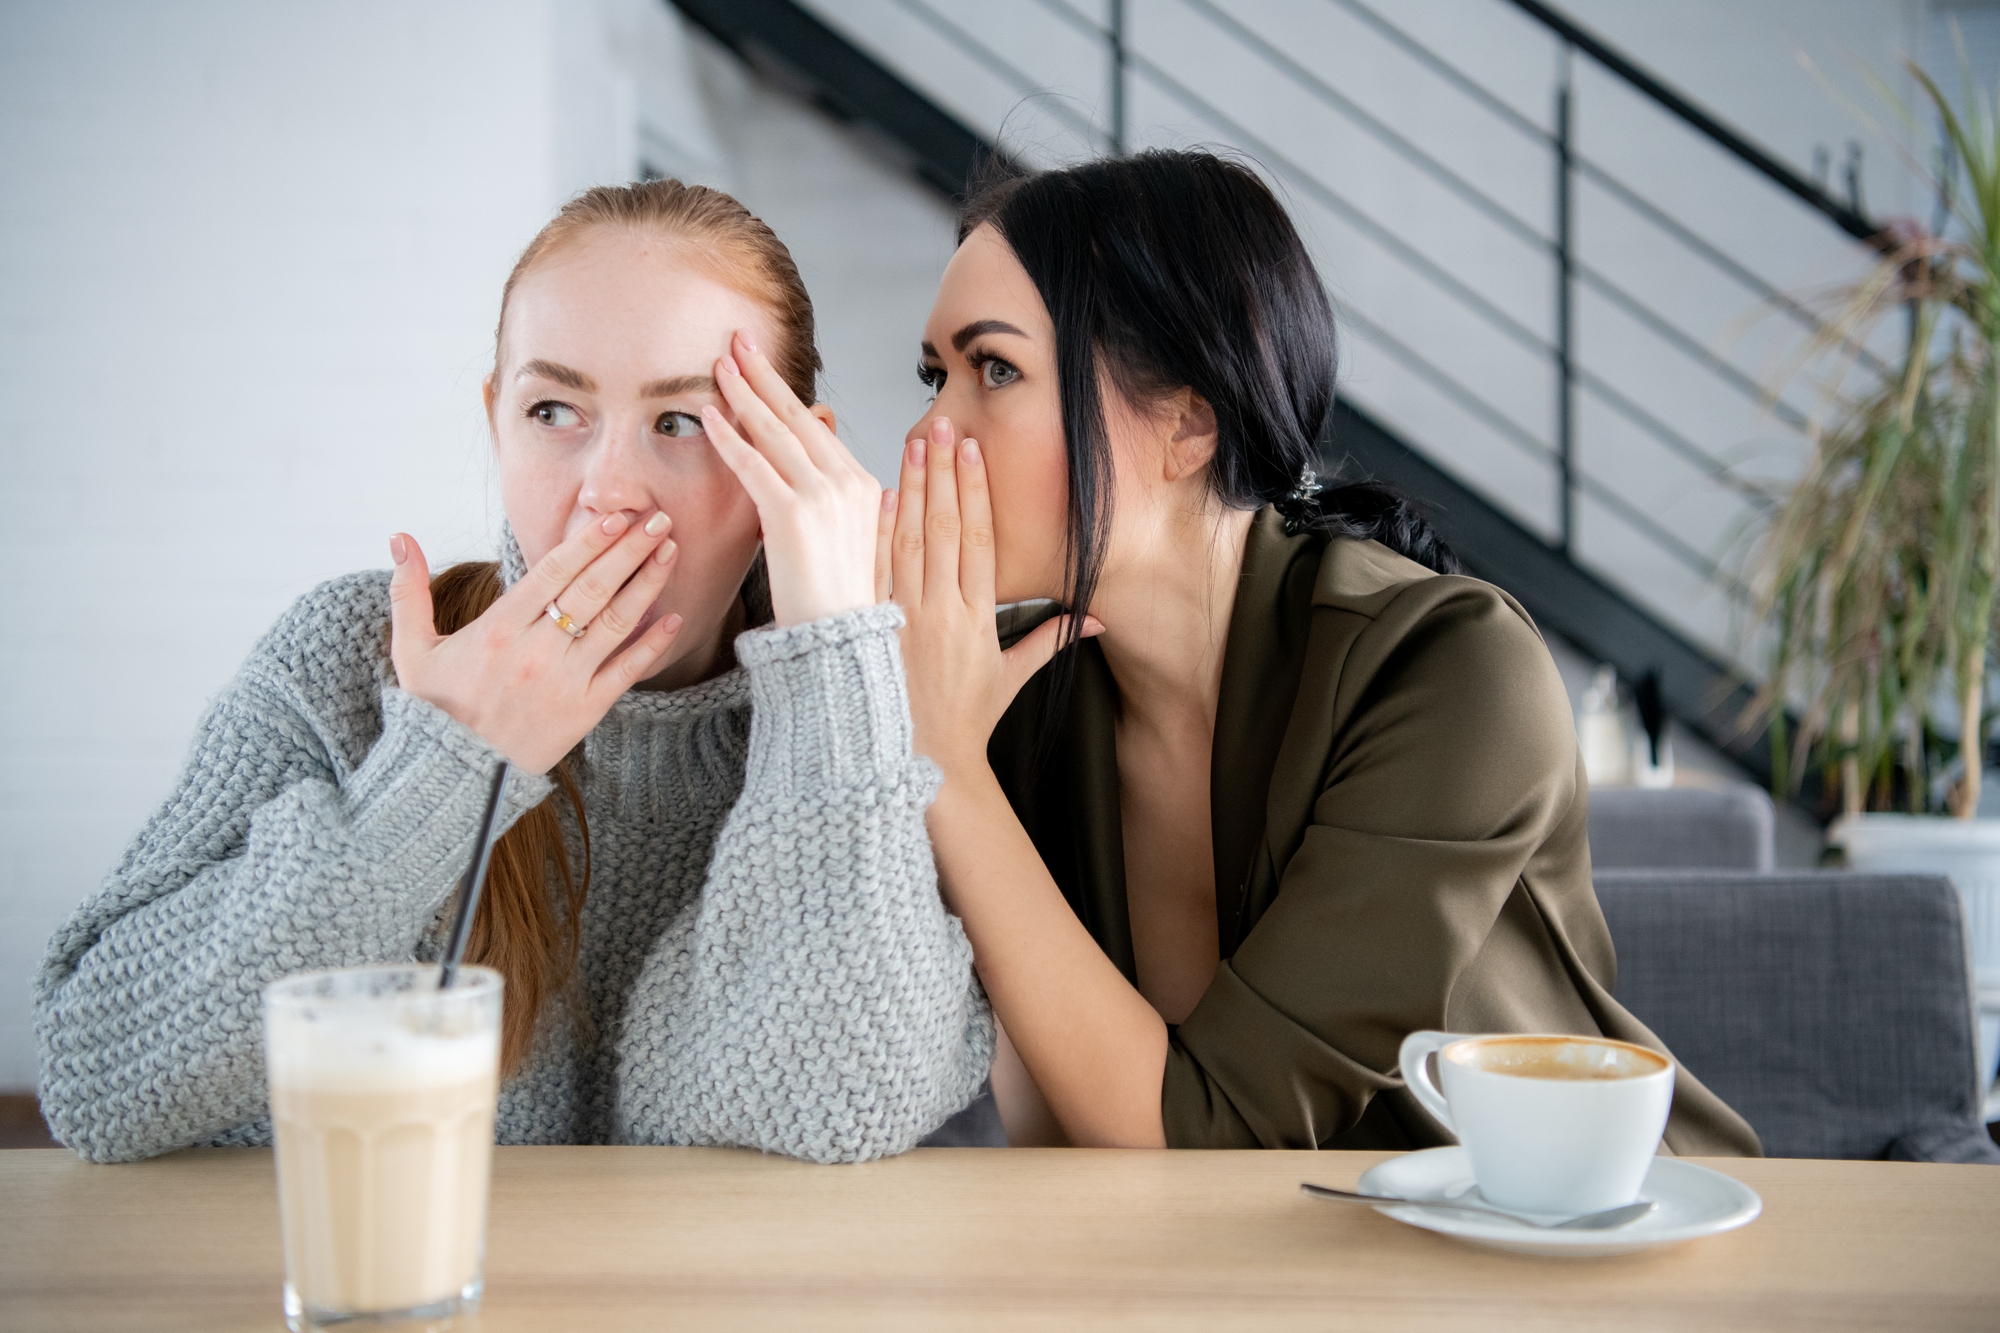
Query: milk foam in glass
[[382, 1100]]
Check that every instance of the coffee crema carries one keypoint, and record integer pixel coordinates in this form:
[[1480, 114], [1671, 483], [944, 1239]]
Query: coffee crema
[[1571, 1059]]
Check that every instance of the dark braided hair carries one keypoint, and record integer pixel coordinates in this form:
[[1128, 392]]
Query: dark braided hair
[[1368, 511]]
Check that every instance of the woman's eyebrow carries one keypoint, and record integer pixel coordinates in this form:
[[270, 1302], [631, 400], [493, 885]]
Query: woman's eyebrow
[[563, 375], [677, 385], [979, 326]]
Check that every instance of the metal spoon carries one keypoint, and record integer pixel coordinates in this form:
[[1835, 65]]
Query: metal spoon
[[1607, 1220]]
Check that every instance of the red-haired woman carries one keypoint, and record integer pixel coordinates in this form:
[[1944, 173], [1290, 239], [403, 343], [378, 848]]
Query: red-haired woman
[[714, 904]]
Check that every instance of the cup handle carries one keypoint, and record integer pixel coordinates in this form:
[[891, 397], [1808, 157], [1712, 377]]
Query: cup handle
[[1415, 1062]]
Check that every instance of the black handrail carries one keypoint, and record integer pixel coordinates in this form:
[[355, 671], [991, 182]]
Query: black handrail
[[1701, 689], [1445, 281], [1772, 295], [1558, 248], [1848, 219], [1503, 425], [1561, 594], [979, 51], [847, 82], [1571, 477]]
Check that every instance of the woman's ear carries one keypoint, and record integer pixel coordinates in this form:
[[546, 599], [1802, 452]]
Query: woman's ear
[[487, 393], [824, 414], [1193, 442]]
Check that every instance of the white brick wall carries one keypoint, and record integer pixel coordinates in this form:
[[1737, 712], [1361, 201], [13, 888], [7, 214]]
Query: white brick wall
[[250, 255]]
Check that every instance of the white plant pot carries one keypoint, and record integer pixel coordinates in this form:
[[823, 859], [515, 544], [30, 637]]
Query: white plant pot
[[1968, 850]]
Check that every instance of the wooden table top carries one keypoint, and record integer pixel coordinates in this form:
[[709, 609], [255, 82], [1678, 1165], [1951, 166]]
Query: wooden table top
[[947, 1239]]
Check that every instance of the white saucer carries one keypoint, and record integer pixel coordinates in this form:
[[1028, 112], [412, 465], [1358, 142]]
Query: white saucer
[[1694, 1201]]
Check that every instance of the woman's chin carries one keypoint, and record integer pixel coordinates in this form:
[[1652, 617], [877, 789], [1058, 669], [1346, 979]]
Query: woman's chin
[[654, 615]]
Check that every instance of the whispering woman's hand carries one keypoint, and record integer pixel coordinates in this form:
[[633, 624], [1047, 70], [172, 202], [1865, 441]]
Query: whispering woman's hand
[[530, 688], [816, 503], [935, 543]]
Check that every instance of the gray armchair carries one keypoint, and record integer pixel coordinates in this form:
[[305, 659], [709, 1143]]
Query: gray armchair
[[1716, 828], [1832, 1010]]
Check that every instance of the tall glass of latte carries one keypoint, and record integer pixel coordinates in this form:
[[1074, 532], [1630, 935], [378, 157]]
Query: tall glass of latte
[[382, 1099]]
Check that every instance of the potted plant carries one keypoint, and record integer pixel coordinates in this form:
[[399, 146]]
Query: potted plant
[[1876, 578]]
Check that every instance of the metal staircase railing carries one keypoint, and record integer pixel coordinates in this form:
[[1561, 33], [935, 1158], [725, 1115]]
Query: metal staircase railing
[[844, 51]]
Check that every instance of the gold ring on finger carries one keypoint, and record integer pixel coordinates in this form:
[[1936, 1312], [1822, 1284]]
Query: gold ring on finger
[[563, 622]]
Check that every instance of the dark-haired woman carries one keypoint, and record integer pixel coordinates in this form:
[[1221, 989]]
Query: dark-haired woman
[[1292, 787]]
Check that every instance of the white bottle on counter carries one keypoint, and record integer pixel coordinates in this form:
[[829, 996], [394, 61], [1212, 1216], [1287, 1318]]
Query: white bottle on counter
[[1600, 731]]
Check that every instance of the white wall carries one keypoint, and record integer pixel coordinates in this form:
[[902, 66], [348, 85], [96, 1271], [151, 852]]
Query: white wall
[[252, 255]]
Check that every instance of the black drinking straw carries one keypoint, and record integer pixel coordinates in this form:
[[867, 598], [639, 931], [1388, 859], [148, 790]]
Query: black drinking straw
[[474, 880]]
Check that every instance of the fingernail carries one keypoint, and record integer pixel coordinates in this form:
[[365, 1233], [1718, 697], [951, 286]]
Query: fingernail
[[941, 429], [916, 453], [888, 501], [971, 452], [749, 341], [1092, 626], [665, 555], [658, 524], [673, 623], [729, 366], [399, 550], [709, 411], [615, 524]]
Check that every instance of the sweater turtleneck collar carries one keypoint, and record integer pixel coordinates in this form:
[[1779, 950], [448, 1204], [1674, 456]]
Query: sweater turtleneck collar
[[658, 752]]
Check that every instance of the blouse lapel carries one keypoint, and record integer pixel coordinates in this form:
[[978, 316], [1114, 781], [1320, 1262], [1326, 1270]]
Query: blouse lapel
[[1071, 807], [1262, 660]]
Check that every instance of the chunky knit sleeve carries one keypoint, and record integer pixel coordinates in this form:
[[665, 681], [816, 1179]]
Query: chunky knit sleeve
[[320, 820], [821, 1002]]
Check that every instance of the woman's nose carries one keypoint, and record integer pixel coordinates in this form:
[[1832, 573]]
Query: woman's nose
[[922, 430], [615, 477]]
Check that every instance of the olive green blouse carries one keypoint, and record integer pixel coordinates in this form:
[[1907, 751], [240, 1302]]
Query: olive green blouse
[[1398, 805]]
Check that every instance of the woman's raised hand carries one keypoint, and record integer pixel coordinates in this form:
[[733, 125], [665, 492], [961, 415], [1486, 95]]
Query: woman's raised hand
[[530, 688], [816, 503], [935, 540]]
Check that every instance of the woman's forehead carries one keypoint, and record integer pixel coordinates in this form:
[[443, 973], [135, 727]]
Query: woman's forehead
[[618, 299], [984, 280]]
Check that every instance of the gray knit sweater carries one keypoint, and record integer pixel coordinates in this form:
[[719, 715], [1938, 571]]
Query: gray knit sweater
[[764, 957]]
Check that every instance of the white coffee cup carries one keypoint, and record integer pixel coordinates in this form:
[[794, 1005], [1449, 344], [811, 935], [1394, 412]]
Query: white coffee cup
[[1554, 1124]]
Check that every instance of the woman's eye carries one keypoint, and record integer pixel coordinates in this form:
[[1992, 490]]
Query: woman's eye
[[997, 374], [680, 425], [558, 416], [932, 377]]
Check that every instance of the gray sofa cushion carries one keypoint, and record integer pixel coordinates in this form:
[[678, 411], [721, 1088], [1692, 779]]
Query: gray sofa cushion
[[1724, 828], [1832, 1010]]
